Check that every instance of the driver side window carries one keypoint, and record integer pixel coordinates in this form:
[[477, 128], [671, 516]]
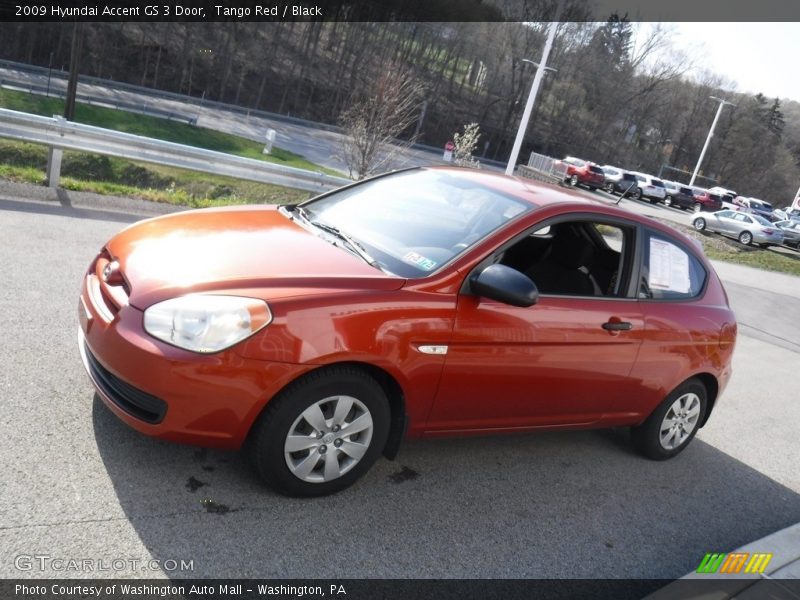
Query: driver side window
[[575, 258]]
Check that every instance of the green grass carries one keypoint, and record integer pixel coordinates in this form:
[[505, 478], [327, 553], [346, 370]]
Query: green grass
[[114, 176], [105, 175], [158, 128]]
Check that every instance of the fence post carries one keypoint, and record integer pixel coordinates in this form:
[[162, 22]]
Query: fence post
[[54, 156]]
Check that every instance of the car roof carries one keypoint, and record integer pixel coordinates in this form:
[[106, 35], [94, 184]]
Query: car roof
[[542, 195]]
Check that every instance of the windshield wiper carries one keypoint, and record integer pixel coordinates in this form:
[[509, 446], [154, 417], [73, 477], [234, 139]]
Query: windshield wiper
[[351, 243]]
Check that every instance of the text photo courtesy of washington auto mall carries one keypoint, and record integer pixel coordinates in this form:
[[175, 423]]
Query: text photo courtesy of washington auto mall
[[398, 299]]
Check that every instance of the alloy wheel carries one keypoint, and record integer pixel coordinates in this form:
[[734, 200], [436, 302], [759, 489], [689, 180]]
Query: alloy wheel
[[328, 439], [679, 421]]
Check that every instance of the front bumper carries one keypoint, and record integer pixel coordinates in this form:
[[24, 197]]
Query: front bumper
[[165, 392]]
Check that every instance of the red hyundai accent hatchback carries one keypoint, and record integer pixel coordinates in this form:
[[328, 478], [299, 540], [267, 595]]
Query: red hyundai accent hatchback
[[425, 302]]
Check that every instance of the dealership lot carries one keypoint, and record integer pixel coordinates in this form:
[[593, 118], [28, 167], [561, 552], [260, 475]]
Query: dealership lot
[[79, 484]]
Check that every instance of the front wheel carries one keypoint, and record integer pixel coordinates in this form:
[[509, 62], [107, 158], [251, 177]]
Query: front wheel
[[671, 426], [668, 201], [609, 188], [573, 181], [746, 238], [697, 207], [699, 224], [638, 194], [321, 434]]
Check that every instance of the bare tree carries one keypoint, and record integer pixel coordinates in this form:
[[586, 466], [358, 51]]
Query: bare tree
[[373, 122], [465, 145]]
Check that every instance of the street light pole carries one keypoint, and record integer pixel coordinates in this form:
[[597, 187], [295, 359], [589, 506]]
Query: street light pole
[[722, 104], [542, 66]]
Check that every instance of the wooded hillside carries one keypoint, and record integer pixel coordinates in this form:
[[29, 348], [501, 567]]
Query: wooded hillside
[[611, 101]]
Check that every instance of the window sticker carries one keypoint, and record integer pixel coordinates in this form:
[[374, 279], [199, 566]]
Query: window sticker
[[669, 267], [426, 264]]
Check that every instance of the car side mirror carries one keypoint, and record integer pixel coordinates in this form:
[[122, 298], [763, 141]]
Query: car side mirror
[[506, 285]]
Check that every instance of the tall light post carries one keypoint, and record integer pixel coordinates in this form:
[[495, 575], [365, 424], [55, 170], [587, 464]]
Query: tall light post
[[722, 104], [541, 67]]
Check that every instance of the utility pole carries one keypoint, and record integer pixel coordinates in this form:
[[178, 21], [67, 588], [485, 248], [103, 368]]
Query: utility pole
[[542, 66], [722, 104], [74, 68]]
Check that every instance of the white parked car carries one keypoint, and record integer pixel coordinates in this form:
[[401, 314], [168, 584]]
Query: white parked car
[[650, 187]]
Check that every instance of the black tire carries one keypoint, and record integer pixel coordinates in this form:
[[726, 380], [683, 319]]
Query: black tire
[[697, 207], [609, 188], [638, 194], [699, 223], [668, 201], [265, 445], [646, 438], [746, 238], [573, 181]]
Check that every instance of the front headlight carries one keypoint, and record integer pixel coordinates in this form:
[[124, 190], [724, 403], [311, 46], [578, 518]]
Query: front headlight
[[206, 323]]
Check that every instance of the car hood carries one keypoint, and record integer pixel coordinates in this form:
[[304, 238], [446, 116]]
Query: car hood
[[253, 248]]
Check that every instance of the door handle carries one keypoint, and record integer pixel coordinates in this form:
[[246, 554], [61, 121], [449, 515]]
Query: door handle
[[617, 326]]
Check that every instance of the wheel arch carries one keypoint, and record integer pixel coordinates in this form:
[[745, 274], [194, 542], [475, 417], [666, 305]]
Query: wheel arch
[[712, 392], [389, 384]]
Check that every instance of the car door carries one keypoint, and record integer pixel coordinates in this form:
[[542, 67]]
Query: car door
[[563, 361], [721, 222]]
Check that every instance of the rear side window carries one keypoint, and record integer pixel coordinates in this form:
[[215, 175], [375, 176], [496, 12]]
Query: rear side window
[[596, 170], [668, 271], [658, 183]]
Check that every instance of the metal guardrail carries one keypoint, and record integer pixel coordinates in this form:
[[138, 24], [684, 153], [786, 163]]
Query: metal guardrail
[[67, 135], [142, 108]]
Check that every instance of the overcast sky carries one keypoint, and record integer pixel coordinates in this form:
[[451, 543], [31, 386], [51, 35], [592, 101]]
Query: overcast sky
[[759, 57]]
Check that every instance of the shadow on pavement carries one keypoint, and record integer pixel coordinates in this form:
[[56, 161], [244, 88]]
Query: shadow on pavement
[[65, 209], [556, 505]]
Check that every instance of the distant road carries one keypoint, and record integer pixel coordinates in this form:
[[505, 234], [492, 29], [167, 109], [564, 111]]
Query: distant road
[[320, 146]]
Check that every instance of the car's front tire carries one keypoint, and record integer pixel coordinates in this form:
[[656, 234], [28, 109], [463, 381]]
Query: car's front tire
[[609, 188], [671, 426], [573, 181], [321, 433], [746, 238], [699, 223]]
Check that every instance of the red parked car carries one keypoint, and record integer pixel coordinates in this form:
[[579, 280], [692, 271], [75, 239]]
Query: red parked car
[[704, 200], [581, 172], [426, 302]]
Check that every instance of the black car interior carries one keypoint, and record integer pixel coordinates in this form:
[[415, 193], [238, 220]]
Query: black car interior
[[571, 259]]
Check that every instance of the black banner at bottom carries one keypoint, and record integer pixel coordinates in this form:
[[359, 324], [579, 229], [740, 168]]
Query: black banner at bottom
[[396, 589]]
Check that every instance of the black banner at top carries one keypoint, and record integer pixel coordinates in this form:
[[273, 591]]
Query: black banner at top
[[396, 10]]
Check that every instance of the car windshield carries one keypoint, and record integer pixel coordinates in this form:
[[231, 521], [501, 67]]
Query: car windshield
[[412, 223]]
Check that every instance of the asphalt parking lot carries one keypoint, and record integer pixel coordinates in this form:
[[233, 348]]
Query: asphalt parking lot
[[77, 483]]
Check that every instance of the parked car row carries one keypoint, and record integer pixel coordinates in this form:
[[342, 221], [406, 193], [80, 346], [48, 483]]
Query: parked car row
[[750, 220], [640, 186]]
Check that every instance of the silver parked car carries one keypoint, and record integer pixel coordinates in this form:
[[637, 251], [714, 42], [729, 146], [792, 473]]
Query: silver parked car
[[748, 228], [791, 232]]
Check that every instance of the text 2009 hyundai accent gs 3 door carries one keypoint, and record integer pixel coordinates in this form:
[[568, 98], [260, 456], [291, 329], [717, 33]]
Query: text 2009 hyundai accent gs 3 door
[[426, 302]]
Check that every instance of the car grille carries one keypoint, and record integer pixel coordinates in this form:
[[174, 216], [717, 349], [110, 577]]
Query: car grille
[[133, 401]]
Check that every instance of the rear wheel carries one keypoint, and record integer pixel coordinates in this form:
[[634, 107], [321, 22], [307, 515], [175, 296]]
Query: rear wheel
[[746, 238], [671, 426], [638, 194], [668, 201], [697, 207], [699, 223], [321, 434], [573, 181], [609, 188]]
